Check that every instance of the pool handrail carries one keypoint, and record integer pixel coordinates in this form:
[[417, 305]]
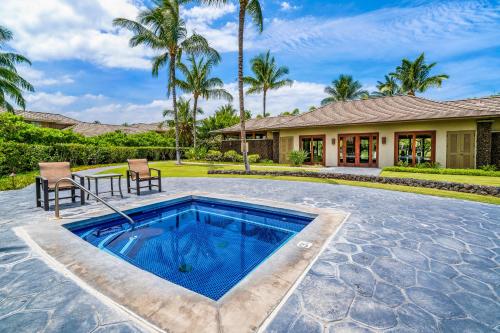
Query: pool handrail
[[132, 222]]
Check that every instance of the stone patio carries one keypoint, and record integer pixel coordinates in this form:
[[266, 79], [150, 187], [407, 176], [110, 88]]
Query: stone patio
[[402, 262]]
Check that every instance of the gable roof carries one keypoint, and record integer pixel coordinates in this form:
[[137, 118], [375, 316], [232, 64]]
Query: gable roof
[[390, 109], [257, 124], [45, 117]]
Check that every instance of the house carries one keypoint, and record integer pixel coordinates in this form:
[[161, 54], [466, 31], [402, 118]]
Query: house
[[384, 131], [58, 121]]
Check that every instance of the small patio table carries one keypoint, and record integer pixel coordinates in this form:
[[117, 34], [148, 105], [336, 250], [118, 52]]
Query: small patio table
[[111, 177]]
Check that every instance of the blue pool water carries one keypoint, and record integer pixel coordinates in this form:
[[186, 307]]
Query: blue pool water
[[205, 245]]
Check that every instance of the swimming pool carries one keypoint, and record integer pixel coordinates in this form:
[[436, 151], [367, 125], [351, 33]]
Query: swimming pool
[[206, 245]]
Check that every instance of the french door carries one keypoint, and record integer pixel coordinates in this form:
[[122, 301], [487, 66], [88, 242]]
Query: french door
[[358, 150], [314, 145]]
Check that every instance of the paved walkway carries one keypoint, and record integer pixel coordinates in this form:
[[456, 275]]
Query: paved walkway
[[402, 262]]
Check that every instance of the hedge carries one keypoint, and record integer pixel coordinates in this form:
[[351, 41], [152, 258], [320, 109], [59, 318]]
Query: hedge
[[22, 157], [443, 171]]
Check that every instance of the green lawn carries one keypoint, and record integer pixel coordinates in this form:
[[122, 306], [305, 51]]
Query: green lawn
[[169, 169], [478, 180]]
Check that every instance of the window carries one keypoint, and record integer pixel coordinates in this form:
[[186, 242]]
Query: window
[[414, 147]]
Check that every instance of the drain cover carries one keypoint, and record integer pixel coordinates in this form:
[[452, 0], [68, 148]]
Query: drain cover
[[304, 245]]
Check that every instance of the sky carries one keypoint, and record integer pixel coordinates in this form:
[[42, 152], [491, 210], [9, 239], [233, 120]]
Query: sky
[[83, 67]]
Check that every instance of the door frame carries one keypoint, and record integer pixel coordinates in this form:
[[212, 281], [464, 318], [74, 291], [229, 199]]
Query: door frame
[[370, 164], [414, 147], [312, 137]]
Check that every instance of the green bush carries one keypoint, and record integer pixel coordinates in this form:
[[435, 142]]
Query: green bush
[[444, 171], [196, 154], [297, 157], [427, 165], [214, 156], [13, 128], [232, 156], [21, 157], [488, 167], [253, 158]]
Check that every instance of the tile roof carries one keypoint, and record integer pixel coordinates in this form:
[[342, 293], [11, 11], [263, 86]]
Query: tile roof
[[93, 129], [45, 117], [257, 124], [391, 109], [491, 103]]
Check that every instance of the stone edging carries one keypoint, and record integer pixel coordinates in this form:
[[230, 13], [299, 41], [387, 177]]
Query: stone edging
[[448, 186]]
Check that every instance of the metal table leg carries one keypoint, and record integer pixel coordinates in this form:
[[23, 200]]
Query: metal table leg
[[111, 180], [120, 185], [96, 186]]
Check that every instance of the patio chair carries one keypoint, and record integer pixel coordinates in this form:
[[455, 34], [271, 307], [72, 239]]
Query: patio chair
[[50, 173], [139, 172]]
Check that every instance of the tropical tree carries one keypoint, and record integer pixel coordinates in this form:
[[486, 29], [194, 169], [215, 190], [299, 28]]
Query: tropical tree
[[389, 87], [11, 83], [197, 81], [268, 76], [254, 10], [184, 121], [342, 89], [414, 76], [162, 29], [295, 112]]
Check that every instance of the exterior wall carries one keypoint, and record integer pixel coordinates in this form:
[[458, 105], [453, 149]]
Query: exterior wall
[[386, 151], [483, 156]]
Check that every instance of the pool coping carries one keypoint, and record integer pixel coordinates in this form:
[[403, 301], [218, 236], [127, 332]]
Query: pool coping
[[169, 307]]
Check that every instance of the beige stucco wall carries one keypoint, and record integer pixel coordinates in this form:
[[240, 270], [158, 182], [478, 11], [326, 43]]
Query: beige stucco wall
[[386, 151]]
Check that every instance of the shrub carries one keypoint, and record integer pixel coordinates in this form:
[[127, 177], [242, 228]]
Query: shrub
[[444, 171], [196, 154], [297, 157], [214, 156], [232, 156], [488, 167], [427, 165], [13, 128], [253, 158], [21, 157]]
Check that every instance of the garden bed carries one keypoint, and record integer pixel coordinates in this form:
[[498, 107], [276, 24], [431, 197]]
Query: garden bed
[[448, 186]]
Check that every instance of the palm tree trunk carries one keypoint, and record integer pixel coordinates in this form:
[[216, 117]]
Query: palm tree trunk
[[264, 103], [194, 119], [241, 30], [176, 117]]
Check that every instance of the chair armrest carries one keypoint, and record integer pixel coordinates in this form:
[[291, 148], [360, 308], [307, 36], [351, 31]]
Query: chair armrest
[[154, 169], [73, 175], [41, 178], [132, 174]]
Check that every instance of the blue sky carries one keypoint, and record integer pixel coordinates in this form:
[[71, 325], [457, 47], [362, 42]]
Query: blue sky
[[83, 67]]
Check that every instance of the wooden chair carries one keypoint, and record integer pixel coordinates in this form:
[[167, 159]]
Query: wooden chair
[[50, 173], [138, 172]]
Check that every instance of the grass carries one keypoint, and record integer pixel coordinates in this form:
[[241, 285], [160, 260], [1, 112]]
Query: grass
[[465, 179], [444, 171], [169, 169]]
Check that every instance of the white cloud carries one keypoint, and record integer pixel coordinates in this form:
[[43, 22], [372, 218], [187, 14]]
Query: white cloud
[[39, 78], [444, 28], [89, 107], [286, 6], [65, 29]]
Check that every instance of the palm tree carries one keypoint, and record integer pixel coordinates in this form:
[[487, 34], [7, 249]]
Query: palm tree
[[162, 29], [198, 83], [268, 76], [184, 121], [389, 87], [414, 76], [295, 112], [254, 10], [11, 83], [342, 89]]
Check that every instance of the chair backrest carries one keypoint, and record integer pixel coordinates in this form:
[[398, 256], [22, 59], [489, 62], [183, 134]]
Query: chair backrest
[[140, 166], [53, 171]]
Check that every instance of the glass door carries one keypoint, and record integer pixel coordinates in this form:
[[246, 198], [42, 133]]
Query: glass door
[[358, 150], [314, 146]]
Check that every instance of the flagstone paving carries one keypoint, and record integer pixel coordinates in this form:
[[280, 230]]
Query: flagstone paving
[[402, 262]]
